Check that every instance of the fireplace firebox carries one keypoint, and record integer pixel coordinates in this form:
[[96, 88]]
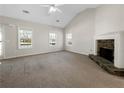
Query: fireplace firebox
[[107, 54], [105, 49]]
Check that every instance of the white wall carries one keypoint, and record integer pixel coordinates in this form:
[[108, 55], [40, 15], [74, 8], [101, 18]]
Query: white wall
[[82, 29], [109, 18], [40, 38]]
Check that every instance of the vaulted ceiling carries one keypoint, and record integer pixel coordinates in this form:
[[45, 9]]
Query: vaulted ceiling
[[40, 14]]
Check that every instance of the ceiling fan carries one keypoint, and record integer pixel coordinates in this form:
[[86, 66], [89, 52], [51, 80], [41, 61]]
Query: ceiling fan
[[52, 8]]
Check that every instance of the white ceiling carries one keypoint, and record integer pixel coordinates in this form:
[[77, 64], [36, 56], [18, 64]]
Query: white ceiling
[[40, 14]]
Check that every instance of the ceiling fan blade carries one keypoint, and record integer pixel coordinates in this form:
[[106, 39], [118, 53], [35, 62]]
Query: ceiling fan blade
[[49, 11], [58, 10]]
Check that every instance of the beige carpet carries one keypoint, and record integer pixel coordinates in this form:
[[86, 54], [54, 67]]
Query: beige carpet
[[60, 69]]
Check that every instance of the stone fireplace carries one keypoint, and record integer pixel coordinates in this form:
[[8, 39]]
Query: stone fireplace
[[111, 47], [105, 49], [109, 52]]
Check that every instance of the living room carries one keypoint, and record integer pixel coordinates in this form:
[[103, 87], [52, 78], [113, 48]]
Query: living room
[[61, 45]]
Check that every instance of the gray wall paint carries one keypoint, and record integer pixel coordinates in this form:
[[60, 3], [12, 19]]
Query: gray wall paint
[[40, 38], [82, 29]]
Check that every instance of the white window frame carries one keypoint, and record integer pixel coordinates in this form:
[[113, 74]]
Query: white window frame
[[52, 35], [69, 39], [1, 31], [19, 37]]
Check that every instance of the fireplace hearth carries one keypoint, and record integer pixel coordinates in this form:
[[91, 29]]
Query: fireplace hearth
[[109, 52]]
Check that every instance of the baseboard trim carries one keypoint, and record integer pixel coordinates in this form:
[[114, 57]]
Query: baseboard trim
[[77, 52], [31, 55]]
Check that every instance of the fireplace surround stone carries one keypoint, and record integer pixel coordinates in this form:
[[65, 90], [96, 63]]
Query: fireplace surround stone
[[118, 38], [118, 63]]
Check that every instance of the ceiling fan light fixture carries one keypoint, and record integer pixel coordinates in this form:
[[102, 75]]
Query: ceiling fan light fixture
[[52, 9]]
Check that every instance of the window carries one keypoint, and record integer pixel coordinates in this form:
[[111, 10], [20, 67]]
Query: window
[[52, 39], [0, 41], [69, 39], [24, 38]]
